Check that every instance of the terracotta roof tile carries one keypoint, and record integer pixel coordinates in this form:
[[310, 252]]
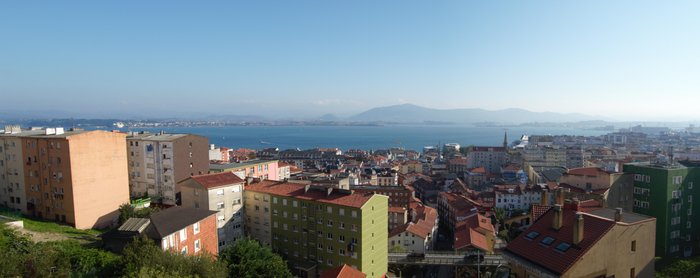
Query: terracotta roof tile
[[296, 190], [217, 179], [343, 271]]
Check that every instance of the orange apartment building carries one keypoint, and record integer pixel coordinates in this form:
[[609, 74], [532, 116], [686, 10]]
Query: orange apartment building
[[75, 177]]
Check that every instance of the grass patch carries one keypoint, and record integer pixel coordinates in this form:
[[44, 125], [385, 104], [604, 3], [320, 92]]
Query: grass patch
[[43, 226]]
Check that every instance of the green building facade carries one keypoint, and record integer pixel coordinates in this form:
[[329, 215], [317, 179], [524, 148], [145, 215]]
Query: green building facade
[[315, 234], [667, 192]]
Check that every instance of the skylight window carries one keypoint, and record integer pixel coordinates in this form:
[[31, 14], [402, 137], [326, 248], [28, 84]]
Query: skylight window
[[532, 235], [547, 240], [563, 246]]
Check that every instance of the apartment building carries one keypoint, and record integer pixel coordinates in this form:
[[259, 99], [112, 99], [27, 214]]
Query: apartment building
[[75, 177], [220, 192], [318, 228], [157, 162], [259, 169], [491, 158], [667, 192], [12, 181]]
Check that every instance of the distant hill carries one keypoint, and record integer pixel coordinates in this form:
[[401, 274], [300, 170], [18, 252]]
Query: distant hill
[[409, 113]]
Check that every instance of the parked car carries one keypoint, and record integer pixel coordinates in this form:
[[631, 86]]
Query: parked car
[[416, 256]]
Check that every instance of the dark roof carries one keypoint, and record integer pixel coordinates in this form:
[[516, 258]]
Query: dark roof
[[546, 256], [209, 181], [166, 222]]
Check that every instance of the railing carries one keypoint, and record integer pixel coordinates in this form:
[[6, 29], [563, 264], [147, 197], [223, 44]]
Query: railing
[[446, 258]]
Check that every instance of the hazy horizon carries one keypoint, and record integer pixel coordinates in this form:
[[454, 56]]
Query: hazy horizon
[[621, 60]]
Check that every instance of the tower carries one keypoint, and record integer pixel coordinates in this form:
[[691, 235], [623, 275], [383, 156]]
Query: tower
[[505, 139]]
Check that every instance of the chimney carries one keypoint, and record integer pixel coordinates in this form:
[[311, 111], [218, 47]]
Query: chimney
[[578, 228], [545, 198], [558, 217], [249, 180], [618, 214], [560, 196], [306, 188], [577, 204], [329, 190]]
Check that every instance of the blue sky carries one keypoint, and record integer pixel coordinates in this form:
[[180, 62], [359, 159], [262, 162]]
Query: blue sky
[[620, 59]]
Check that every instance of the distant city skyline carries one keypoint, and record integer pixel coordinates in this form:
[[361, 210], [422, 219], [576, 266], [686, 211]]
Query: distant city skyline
[[621, 60]]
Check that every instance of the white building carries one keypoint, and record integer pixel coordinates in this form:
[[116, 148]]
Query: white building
[[514, 197], [417, 236], [221, 192]]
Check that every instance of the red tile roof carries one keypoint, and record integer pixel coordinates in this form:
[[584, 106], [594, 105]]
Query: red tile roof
[[426, 218], [538, 210], [296, 190], [472, 232], [547, 256], [343, 271], [209, 181]]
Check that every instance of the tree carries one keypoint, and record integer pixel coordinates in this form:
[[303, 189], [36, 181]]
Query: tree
[[680, 268], [127, 211], [142, 258], [247, 258]]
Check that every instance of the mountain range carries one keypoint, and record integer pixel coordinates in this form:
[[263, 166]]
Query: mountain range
[[409, 113]]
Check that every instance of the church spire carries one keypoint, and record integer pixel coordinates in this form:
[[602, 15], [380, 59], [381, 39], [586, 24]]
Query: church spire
[[505, 139]]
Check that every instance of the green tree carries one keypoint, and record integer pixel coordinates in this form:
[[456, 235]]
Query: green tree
[[680, 268], [127, 211], [247, 258], [142, 258]]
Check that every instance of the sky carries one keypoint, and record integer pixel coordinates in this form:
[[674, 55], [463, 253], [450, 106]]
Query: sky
[[623, 60]]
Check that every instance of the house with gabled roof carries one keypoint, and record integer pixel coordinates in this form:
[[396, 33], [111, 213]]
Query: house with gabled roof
[[566, 242], [188, 231]]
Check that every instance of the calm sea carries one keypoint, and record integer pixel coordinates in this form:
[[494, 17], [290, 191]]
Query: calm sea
[[364, 137]]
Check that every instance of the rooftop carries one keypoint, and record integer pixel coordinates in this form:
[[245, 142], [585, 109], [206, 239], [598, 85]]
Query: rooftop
[[157, 136], [538, 245], [299, 191], [168, 221], [224, 166], [343, 271], [209, 181]]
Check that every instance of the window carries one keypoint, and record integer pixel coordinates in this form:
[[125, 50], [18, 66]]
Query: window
[[690, 185], [341, 212], [562, 247], [532, 235], [329, 236], [329, 209], [354, 214], [220, 192], [687, 224], [236, 188], [690, 198], [274, 200], [341, 238], [197, 246], [634, 246], [295, 203], [677, 179], [220, 205], [547, 241], [632, 273], [196, 230], [284, 202], [184, 250], [183, 234]]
